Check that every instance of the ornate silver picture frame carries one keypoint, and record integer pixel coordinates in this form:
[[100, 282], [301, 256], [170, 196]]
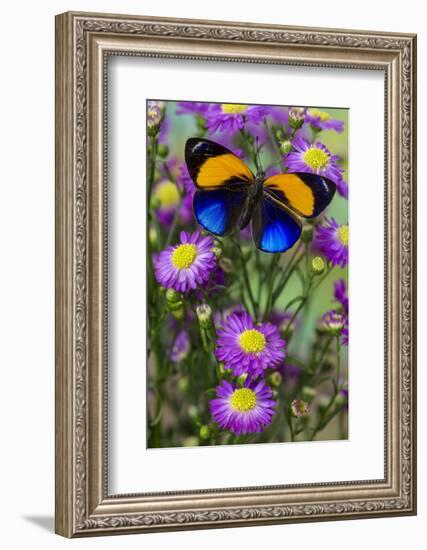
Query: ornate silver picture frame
[[84, 42]]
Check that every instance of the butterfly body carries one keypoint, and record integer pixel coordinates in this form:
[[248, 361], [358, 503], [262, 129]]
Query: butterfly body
[[254, 196], [229, 195]]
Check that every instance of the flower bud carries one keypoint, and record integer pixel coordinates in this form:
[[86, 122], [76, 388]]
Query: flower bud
[[204, 315], [340, 399], [300, 408], [154, 118], [323, 402], [204, 432], [242, 378], [318, 265], [163, 150], [308, 393], [333, 322], [217, 250], [296, 117], [193, 412], [275, 378], [190, 441], [183, 384], [279, 135], [285, 147], [172, 296], [226, 264], [152, 235]]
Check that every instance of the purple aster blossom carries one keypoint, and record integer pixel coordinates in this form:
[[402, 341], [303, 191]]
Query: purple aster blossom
[[332, 240], [187, 186], [180, 348], [169, 196], [340, 293], [193, 108], [248, 348], [232, 117], [220, 316], [166, 199], [291, 374], [321, 120], [186, 265], [212, 285], [282, 318], [344, 334], [342, 188], [313, 158], [243, 410]]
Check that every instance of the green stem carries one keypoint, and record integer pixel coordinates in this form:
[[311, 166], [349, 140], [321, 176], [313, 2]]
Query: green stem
[[338, 359], [272, 275], [286, 275], [246, 278]]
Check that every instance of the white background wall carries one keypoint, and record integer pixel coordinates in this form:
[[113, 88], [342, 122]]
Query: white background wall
[[27, 273]]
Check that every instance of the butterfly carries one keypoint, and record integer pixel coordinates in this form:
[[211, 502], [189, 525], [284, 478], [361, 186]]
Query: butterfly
[[229, 195]]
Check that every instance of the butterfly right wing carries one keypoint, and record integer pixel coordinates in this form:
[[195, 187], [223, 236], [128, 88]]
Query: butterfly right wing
[[275, 228], [223, 182]]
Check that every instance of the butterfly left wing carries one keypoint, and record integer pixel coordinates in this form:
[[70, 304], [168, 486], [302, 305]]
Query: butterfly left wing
[[223, 182], [213, 165], [275, 228], [307, 194], [219, 209]]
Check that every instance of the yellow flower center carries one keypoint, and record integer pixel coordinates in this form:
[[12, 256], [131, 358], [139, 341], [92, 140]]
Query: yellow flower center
[[316, 158], [184, 255], [167, 194], [342, 234], [243, 400], [319, 114], [233, 108], [252, 341]]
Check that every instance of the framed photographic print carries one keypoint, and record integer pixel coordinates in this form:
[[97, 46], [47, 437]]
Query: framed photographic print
[[226, 354]]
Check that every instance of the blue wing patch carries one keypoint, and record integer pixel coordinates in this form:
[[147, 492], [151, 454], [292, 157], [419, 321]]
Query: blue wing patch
[[274, 227], [219, 210]]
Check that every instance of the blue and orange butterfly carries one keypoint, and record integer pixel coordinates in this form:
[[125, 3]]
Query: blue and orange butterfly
[[228, 195]]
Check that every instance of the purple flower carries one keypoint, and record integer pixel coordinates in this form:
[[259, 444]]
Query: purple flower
[[181, 347], [342, 188], [232, 117], [332, 240], [323, 121], [216, 279], [290, 372], [166, 199], [344, 334], [282, 319], [313, 158], [192, 108], [243, 410], [186, 265], [187, 186], [340, 294], [169, 196], [248, 348]]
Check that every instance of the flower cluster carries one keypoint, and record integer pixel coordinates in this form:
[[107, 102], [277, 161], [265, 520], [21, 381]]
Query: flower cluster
[[242, 347]]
